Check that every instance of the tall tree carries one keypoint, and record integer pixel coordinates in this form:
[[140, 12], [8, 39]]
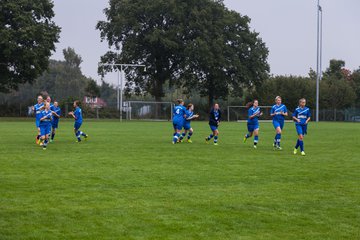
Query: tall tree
[[28, 35], [290, 88], [92, 89], [223, 55], [355, 77], [108, 93], [62, 80], [334, 71], [336, 90], [146, 33], [72, 59], [194, 44]]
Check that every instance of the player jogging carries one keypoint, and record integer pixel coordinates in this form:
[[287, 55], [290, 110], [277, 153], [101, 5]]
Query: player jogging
[[254, 113], [45, 125], [77, 115], [48, 99], [179, 114], [278, 113], [55, 120], [37, 108], [214, 121], [188, 129], [301, 117]]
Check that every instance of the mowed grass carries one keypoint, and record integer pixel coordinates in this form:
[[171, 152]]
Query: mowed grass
[[129, 182]]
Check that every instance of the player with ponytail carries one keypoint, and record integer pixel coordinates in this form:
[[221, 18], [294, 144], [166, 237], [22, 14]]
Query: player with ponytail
[[188, 129], [254, 113]]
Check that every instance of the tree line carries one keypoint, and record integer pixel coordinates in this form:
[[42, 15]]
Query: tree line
[[339, 88], [192, 49], [64, 81], [199, 46]]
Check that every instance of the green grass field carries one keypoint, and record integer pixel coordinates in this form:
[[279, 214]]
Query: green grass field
[[129, 182]]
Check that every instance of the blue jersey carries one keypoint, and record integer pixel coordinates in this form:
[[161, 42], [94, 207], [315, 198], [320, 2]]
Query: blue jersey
[[215, 117], [52, 107], [188, 114], [302, 114], [254, 120], [78, 115], [57, 110], [178, 113], [47, 114], [38, 110], [277, 109]]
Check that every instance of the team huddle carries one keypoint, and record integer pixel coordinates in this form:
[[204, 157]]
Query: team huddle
[[47, 117], [182, 117]]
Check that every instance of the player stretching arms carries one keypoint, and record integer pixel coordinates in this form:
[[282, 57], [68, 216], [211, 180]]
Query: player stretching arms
[[37, 108], [189, 116], [214, 121], [77, 115], [278, 113], [179, 114], [253, 121], [45, 125], [55, 119], [301, 116]]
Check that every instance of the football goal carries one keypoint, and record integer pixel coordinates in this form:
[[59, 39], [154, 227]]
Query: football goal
[[151, 111], [240, 113]]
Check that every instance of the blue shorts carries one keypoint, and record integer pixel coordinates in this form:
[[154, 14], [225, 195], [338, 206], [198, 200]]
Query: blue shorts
[[77, 126], [45, 129], [301, 129], [187, 126], [252, 127], [178, 125], [37, 123], [278, 124], [55, 124], [213, 128]]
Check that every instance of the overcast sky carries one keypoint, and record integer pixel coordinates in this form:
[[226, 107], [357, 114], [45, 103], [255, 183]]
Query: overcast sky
[[288, 27]]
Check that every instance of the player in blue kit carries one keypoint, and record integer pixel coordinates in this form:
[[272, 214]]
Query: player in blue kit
[[48, 99], [278, 113], [188, 129], [77, 115], [179, 114], [37, 108], [301, 116], [45, 125], [214, 121], [254, 113], [55, 120]]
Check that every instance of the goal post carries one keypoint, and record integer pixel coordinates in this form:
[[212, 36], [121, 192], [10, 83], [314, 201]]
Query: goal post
[[240, 113], [147, 110]]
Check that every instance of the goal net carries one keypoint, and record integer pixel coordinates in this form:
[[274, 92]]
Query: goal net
[[240, 113], [151, 111]]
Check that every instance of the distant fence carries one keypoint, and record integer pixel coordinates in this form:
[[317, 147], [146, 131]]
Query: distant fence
[[347, 115], [238, 113], [142, 110]]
